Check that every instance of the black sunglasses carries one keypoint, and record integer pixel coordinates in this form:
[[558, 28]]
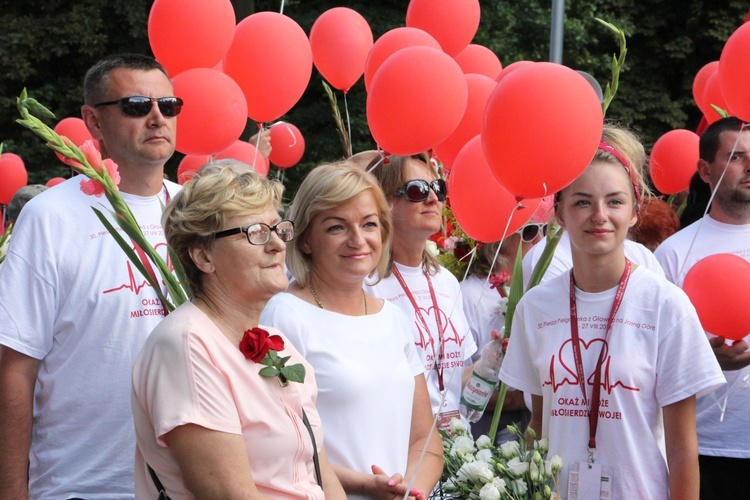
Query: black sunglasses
[[138, 105], [260, 233], [417, 190], [529, 232]]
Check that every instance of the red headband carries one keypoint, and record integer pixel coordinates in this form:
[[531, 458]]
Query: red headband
[[605, 146]]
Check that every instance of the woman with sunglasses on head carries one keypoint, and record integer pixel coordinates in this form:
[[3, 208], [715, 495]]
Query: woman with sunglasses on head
[[373, 398], [614, 369], [428, 294], [209, 422]]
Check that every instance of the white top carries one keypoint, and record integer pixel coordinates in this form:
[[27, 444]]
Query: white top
[[70, 297], [484, 309], [656, 355], [190, 373], [458, 343], [365, 368], [562, 261], [718, 435]]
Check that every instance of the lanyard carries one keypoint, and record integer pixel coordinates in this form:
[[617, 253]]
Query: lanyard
[[594, 411], [439, 355], [144, 258]]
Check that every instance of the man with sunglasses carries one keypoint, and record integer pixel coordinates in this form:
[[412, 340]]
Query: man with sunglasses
[[74, 313]]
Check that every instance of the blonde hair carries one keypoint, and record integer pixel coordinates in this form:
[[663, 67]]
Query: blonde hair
[[216, 194], [391, 174], [324, 188]]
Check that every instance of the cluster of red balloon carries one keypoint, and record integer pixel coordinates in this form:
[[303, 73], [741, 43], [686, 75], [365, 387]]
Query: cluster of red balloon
[[13, 176]]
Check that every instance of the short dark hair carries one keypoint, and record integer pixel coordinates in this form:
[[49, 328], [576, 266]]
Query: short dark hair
[[711, 137], [95, 84]]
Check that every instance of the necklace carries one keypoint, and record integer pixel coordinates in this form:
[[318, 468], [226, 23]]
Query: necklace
[[320, 304]]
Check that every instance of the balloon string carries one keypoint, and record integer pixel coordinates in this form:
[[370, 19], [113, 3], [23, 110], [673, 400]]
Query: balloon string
[[348, 124], [679, 276], [257, 145]]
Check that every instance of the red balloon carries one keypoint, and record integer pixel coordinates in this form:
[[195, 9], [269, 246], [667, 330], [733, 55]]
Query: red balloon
[[189, 165], [214, 114], [391, 42], [480, 87], [734, 72], [674, 160], [542, 126], [54, 181], [453, 23], [74, 129], [511, 68], [246, 153], [13, 176], [481, 205], [699, 82], [287, 145], [479, 59], [717, 287], [712, 95], [270, 58], [417, 99], [340, 40], [187, 34]]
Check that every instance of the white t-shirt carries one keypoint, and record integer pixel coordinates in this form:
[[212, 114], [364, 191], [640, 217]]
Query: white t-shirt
[[458, 343], [70, 297], [562, 261], [720, 433], [656, 355], [365, 368], [484, 309], [190, 373]]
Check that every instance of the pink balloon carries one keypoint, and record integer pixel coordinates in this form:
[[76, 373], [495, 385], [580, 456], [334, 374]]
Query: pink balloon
[[453, 23], [391, 42], [187, 34], [54, 181], [712, 94], [271, 59], [287, 145], [674, 160], [511, 68], [541, 128], [214, 114], [13, 176], [480, 87], [246, 153], [416, 100], [734, 72], [699, 82], [75, 129], [481, 205], [340, 40], [189, 165], [479, 59], [717, 287]]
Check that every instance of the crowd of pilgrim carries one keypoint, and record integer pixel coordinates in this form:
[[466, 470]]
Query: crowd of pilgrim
[[101, 396]]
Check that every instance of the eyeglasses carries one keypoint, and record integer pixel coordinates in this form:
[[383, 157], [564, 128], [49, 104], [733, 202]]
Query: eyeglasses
[[417, 190], [529, 232], [260, 233], [138, 105]]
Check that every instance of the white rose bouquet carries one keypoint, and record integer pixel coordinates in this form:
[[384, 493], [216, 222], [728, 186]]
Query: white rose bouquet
[[479, 470]]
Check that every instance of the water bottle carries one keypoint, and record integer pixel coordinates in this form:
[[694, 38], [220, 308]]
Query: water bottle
[[483, 380]]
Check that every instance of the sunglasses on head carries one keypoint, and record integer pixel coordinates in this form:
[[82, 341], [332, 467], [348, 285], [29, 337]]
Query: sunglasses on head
[[418, 190], [529, 232], [138, 105]]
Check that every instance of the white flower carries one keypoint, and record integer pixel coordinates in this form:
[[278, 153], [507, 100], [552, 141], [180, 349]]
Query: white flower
[[556, 464], [484, 442], [542, 445], [484, 455], [517, 467], [502, 304], [519, 486], [458, 428], [431, 247], [475, 471], [499, 484], [489, 492], [536, 458], [463, 445], [510, 449], [535, 473]]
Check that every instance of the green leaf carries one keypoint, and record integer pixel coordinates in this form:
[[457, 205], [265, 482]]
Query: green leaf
[[282, 361], [545, 259], [269, 371], [267, 360], [294, 373]]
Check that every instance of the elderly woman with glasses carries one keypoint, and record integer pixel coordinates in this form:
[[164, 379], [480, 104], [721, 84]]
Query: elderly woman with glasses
[[426, 292], [373, 397], [219, 410]]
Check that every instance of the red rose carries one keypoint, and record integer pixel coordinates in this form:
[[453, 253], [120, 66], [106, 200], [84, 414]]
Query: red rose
[[256, 343]]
